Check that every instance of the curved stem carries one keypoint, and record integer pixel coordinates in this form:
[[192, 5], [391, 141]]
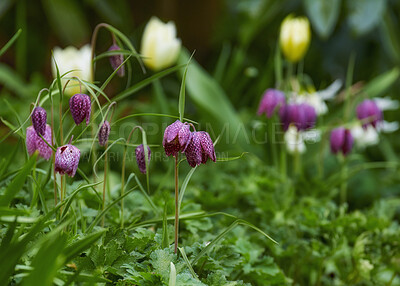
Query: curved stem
[[176, 203], [104, 183], [93, 44]]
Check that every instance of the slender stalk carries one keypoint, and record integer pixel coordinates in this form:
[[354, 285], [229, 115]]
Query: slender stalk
[[54, 154], [61, 193], [104, 183], [61, 126], [123, 186], [343, 185], [176, 203]]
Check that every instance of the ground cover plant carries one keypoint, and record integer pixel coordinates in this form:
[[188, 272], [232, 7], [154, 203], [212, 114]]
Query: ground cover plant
[[134, 155]]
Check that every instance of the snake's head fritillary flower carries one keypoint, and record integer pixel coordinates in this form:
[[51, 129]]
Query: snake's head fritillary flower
[[140, 157], [303, 116], [39, 118], [369, 112], [199, 149], [34, 142], [73, 62], [160, 46], [80, 106], [271, 100], [117, 60], [176, 137], [295, 37], [104, 133], [67, 160], [341, 140]]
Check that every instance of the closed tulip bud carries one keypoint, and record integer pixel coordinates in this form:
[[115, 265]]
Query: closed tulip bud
[[117, 60], [295, 37], [39, 118], [341, 140], [80, 106], [35, 142], [176, 137], [74, 63], [369, 112], [199, 149], [271, 100], [104, 132], [140, 157], [160, 46], [67, 160]]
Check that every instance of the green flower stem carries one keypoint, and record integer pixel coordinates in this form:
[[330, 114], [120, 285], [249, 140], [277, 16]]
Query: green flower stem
[[123, 186], [104, 183], [343, 185], [176, 203]]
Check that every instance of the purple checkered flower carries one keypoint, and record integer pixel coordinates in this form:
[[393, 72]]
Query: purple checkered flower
[[39, 118], [271, 100], [34, 142], [176, 137], [341, 140], [303, 116], [67, 160], [199, 149], [117, 60], [80, 106], [104, 133], [369, 112], [140, 157]]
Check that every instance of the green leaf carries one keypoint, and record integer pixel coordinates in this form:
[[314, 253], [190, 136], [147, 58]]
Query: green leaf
[[323, 15], [181, 103], [79, 246], [187, 262], [18, 182], [381, 83], [10, 42], [364, 15]]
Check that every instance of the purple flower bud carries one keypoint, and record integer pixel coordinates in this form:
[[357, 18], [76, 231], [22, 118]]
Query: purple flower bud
[[104, 133], [34, 142], [271, 100], [176, 137], [303, 116], [80, 106], [369, 112], [341, 140], [199, 149], [39, 118], [67, 160], [140, 157], [117, 60]]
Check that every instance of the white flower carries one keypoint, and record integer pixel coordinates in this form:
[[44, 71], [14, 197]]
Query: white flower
[[386, 103], [74, 62], [317, 99], [160, 46], [295, 140], [364, 137]]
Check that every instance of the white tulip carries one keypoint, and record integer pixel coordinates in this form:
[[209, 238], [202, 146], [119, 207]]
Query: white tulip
[[76, 63], [160, 46]]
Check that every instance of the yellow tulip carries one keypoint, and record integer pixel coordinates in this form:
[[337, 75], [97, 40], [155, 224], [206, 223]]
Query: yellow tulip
[[295, 37]]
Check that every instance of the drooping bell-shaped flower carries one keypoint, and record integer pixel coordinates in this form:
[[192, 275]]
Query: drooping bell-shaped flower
[[176, 137], [117, 60], [104, 132], [39, 118], [199, 149], [271, 100], [34, 142], [140, 157], [369, 112], [80, 106], [67, 160], [341, 141], [303, 116]]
